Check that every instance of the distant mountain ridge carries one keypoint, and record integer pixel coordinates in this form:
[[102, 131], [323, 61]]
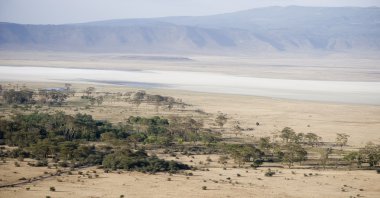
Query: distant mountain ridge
[[271, 29]]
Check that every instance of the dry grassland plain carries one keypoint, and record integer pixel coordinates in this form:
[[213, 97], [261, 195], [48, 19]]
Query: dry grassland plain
[[361, 122]]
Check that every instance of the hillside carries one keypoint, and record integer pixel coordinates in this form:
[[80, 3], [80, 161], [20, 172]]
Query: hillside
[[271, 29]]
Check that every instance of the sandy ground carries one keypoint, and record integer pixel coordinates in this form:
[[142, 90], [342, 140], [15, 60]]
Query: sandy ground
[[219, 183], [9, 173]]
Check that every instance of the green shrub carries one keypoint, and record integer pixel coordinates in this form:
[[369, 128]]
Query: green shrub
[[63, 164], [19, 153], [140, 161], [41, 163]]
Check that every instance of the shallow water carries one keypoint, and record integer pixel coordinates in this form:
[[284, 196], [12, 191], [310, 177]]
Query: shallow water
[[328, 91]]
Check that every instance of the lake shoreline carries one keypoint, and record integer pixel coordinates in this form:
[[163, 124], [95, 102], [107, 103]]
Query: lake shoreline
[[309, 90]]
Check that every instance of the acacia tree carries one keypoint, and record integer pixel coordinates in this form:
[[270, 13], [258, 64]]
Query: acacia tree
[[67, 150], [354, 157], [99, 100], [221, 119], [42, 149], [371, 154], [294, 153], [236, 128], [245, 153], [89, 91], [92, 101], [287, 134], [265, 144], [324, 156], [137, 98], [341, 139], [187, 128], [312, 139], [56, 97], [156, 100]]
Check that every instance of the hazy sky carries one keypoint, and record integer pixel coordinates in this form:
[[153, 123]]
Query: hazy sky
[[74, 11]]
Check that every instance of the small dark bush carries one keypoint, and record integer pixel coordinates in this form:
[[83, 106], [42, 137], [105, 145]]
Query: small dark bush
[[19, 152], [52, 188], [63, 164], [41, 163], [204, 187], [269, 173]]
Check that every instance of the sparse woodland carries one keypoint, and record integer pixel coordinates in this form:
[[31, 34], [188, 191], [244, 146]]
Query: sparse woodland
[[33, 125]]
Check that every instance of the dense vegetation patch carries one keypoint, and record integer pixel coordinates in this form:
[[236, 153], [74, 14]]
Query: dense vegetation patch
[[67, 140], [140, 161]]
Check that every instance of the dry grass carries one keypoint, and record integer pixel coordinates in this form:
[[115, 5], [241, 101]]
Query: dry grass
[[361, 122], [219, 183]]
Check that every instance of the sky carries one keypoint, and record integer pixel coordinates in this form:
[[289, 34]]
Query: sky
[[76, 11]]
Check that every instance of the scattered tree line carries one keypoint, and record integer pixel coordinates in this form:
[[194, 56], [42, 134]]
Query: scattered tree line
[[59, 96], [370, 155], [23, 97], [139, 97]]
